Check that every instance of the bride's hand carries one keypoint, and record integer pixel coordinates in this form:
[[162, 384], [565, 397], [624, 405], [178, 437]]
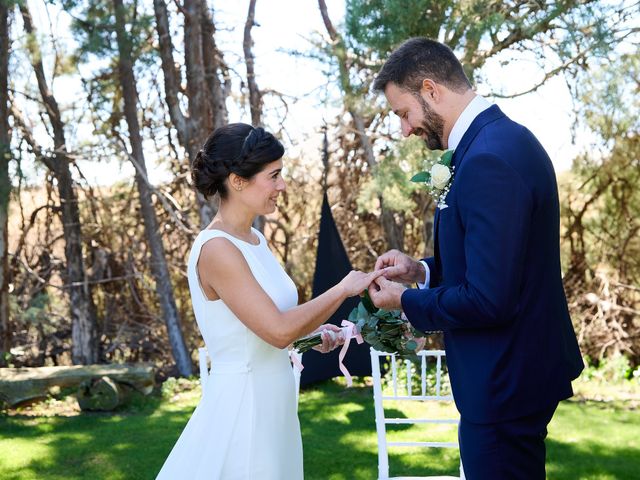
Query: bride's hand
[[357, 282], [331, 337]]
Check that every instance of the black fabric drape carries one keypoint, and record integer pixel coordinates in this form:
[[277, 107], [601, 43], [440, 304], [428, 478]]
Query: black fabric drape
[[332, 264]]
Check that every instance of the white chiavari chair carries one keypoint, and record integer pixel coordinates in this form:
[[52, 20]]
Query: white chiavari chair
[[400, 387]]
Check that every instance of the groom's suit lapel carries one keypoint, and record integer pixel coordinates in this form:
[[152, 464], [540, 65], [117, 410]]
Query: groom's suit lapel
[[489, 115]]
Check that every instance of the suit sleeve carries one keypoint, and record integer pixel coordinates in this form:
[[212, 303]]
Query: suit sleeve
[[495, 207]]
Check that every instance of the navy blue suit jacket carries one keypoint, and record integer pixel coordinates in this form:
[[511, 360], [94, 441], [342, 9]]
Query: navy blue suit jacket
[[496, 288]]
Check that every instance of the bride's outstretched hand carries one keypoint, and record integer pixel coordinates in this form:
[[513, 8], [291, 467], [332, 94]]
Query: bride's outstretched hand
[[357, 282]]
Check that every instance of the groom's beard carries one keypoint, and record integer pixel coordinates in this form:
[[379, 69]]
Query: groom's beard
[[432, 126]]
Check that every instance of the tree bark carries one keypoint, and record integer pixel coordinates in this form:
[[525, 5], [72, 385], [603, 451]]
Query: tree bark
[[196, 92], [193, 128], [171, 74], [196, 85], [20, 385], [5, 183], [84, 325], [159, 267], [102, 394], [255, 96]]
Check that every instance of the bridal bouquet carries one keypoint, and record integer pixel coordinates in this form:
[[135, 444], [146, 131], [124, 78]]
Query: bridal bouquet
[[385, 330]]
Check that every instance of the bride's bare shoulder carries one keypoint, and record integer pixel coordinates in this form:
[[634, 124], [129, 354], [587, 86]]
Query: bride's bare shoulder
[[219, 247], [220, 255]]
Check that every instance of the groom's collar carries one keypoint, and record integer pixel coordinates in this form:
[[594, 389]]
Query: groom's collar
[[472, 110], [487, 116]]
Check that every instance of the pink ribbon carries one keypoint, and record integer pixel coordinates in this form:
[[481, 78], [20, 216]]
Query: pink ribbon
[[349, 331], [295, 359]]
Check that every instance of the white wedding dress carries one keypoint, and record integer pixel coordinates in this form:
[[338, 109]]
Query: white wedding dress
[[246, 424]]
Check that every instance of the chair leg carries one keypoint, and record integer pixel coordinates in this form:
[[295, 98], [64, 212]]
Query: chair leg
[[383, 456]]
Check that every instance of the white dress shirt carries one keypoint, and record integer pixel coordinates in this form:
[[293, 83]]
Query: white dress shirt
[[472, 110]]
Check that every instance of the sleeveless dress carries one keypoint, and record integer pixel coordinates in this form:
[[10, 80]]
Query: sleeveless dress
[[246, 425]]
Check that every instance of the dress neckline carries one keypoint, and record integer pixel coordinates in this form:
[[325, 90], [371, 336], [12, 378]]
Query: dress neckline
[[256, 232]]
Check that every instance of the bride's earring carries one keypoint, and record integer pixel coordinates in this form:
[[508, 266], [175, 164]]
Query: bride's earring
[[236, 182]]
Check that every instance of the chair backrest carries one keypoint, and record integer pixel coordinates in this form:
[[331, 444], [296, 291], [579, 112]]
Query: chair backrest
[[205, 362], [409, 382]]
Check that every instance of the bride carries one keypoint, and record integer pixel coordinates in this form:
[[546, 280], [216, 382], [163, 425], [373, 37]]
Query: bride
[[246, 425]]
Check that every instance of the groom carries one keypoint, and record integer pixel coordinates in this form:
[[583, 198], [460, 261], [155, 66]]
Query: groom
[[494, 284]]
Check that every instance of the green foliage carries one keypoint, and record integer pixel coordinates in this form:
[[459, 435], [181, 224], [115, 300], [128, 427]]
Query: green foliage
[[35, 313], [32, 45], [479, 30], [613, 370], [173, 386], [415, 377], [421, 177], [391, 176], [600, 214], [94, 29], [386, 330], [610, 100], [382, 24]]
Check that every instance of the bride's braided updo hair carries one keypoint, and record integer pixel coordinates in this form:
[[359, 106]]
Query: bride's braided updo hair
[[235, 148]]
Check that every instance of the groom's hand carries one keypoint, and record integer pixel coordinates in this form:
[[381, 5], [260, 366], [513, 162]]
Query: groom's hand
[[401, 267], [386, 294]]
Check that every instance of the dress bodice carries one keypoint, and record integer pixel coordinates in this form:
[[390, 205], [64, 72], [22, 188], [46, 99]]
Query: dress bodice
[[226, 337]]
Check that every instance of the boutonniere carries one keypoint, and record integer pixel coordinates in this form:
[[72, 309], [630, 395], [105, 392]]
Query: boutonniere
[[438, 179]]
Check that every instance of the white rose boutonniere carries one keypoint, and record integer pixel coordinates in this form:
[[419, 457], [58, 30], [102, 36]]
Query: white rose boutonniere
[[440, 176], [438, 179]]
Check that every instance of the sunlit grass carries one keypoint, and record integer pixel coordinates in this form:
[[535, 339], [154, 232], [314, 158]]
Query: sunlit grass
[[591, 440]]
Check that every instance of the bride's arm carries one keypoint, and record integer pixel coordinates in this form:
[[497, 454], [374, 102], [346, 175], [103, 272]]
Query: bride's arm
[[223, 269]]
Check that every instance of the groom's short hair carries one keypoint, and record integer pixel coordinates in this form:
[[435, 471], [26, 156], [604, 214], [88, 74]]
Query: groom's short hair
[[419, 58]]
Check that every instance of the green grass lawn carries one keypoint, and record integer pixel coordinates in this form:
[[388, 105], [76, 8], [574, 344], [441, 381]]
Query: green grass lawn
[[592, 439]]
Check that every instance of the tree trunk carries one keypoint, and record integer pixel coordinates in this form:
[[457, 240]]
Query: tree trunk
[[196, 85], [152, 229], [84, 325], [393, 231], [196, 92], [171, 75], [102, 394], [5, 183], [20, 385], [255, 96], [194, 128]]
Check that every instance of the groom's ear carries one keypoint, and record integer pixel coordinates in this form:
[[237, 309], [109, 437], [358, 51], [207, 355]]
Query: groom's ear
[[430, 90]]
